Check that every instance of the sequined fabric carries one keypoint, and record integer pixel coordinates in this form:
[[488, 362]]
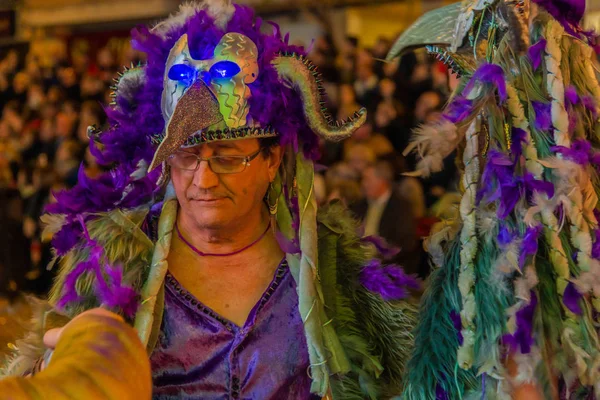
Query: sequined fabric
[[201, 355]]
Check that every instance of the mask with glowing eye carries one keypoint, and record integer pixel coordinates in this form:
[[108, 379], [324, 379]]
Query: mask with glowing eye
[[234, 65]]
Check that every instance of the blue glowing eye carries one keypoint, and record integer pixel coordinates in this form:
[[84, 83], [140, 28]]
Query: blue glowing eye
[[224, 70], [183, 73]]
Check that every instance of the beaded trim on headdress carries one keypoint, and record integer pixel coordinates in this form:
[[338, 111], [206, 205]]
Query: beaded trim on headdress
[[227, 134]]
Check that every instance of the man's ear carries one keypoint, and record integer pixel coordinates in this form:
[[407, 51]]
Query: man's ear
[[274, 160]]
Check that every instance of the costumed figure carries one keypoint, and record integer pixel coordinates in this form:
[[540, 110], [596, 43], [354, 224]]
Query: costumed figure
[[218, 133], [514, 302]]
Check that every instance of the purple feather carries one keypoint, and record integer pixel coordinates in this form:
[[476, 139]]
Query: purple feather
[[440, 393], [457, 322], [519, 138], [389, 281], [567, 12], [590, 104], [458, 110], [504, 236], [386, 250], [491, 74], [529, 246], [596, 245], [112, 294], [571, 95], [536, 52], [500, 183], [580, 152], [543, 115], [522, 339], [571, 298]]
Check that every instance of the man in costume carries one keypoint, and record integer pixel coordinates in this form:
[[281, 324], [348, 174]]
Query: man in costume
[[205, 233], [513, 308]]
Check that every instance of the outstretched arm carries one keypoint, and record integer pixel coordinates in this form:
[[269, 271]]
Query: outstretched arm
[[97, 356]]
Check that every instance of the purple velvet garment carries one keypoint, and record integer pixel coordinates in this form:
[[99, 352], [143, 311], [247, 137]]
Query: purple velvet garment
[[201, 355]]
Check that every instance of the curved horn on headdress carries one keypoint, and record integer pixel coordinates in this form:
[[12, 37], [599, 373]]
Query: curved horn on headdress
[[516, 13], [434, 28], [305, 79]]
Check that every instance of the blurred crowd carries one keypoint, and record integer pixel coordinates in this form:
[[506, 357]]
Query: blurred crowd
[[47, 107]]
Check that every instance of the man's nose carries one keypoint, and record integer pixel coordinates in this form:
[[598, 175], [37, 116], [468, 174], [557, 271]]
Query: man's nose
[[204, 177]]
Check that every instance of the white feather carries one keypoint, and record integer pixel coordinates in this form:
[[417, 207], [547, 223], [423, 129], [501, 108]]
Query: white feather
[[526, 366], [140, 171], [220, 10], [434, 142]]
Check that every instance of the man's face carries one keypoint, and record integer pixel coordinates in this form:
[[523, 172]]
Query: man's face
[[373, 185], [216, 201]]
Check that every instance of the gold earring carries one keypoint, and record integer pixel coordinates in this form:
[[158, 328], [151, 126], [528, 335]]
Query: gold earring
[[272, 207]]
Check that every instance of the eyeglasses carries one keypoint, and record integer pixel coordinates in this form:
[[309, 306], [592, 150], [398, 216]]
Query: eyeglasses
[[218, 164]]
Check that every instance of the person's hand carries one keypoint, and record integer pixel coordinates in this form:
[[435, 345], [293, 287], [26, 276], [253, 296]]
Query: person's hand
[[52, 336]]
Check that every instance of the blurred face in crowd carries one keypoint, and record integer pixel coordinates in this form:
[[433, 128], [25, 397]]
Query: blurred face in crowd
[[91, 86], [347, 96], [317, 58], [364, 72], [33, 69], [66, 152], [427, 102], [54, 95], [381, 47], [80, 61], [349, 45], [384, 115], [364, 132], [215, 201], [387, 88], [390, 68], [105, 58], [322, 44], [47, 130], [21, 82], [364, 58], [64, 125], [68, 77], [421, 72], [374, 186], [4, 130], [48, 110], [35, 97], [11, 61], [359, 157]]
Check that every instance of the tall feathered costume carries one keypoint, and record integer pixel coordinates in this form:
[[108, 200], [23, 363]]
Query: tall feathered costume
[[212, 73], [518, 277]]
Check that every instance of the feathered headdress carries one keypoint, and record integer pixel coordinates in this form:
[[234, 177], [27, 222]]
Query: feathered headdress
[[519, 283]]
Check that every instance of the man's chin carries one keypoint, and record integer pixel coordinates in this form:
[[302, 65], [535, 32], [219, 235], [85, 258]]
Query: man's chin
[[208, 218]]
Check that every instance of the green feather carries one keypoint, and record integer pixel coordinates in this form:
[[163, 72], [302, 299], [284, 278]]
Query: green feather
[[433, 360]]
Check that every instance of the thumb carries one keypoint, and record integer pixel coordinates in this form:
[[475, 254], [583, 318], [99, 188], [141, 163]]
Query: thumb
[[51, 337]]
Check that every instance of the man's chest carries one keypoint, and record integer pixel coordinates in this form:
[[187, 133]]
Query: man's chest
[[201, 354]]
